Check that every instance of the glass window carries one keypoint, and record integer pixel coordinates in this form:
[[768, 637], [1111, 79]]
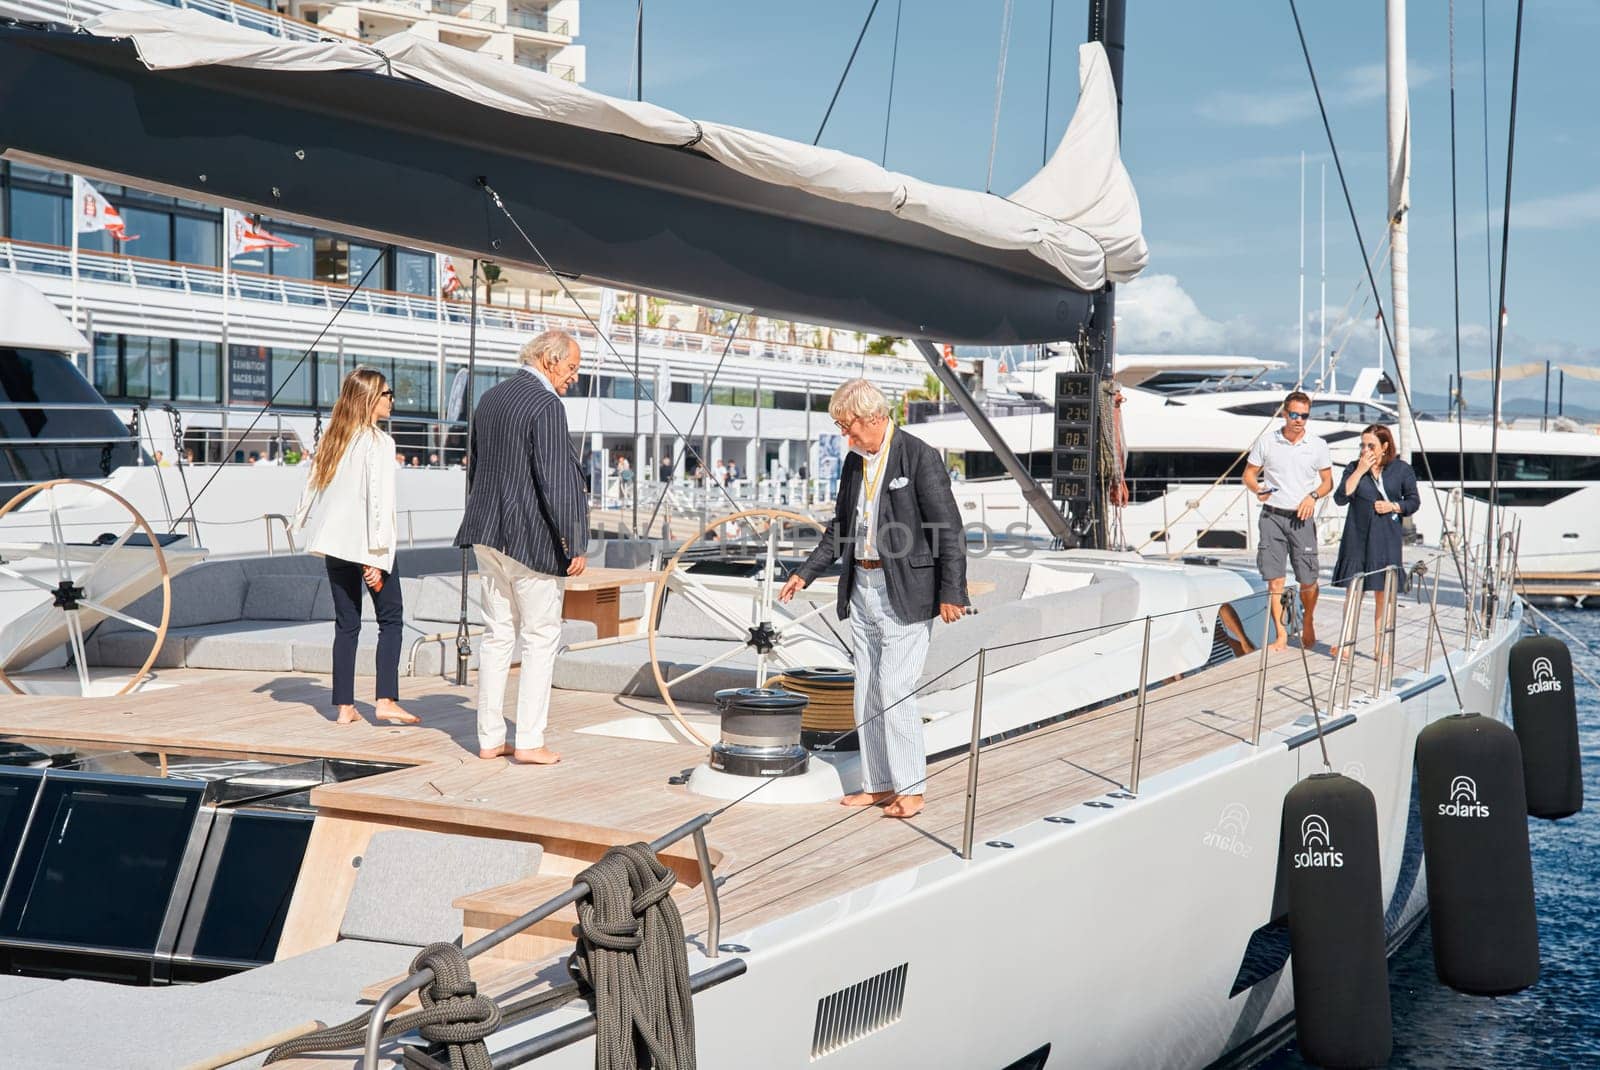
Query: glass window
[[291, 384], [413, 385], [361, 258], [690, 393], [198, 371], [819, 402], [413, 272], [152, 231], [722, 395], [139, 355], [328, 381], [38, 174], [787, 399], [39, 217], [295, 263], [331, 259], [197, 241], [107, 366]]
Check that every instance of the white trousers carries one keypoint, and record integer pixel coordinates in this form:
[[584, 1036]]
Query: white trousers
[[518, 604], [889, 656]]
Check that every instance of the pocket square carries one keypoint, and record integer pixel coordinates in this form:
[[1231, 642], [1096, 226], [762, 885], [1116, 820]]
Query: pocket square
[[898, 482]]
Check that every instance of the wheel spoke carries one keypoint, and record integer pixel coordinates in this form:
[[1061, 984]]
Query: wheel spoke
[[123, 617], [25, 578], [122, 540], [33, 631], [58, 535], [718, 614], [79, 656], [698, 669]]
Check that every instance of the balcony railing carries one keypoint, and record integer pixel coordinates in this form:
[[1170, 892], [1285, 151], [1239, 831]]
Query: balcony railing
[[475, 12], [538, 20], [160, 276]]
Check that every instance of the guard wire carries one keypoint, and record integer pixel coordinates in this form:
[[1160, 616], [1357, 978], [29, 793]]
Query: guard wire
[[845, 73]]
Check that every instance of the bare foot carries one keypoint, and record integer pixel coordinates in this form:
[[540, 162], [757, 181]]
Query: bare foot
[[502, 751], [866, 798], [1281, 643], [1308, 636], [904, 806], [536, 756], [389, 710], [350, 715]]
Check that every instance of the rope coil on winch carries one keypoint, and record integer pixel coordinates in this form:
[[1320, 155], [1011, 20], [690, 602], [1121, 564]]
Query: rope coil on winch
[[452, 1014], [631, 963]]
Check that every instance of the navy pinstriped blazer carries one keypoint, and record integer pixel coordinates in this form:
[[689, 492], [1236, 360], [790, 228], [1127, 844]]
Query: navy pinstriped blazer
[[526, 495]]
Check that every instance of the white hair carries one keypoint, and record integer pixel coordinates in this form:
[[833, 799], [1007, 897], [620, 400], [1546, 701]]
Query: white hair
[[546, 348], [857, 398]]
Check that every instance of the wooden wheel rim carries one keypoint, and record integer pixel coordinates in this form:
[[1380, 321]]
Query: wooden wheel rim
[[161, 561], [661, 593]]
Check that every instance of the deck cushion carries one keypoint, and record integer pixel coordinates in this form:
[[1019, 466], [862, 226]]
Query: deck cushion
[[408, 880], [337, 972], [439, 600], [281, 597]]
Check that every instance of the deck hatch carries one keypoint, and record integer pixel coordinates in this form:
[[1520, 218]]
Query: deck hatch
[[864, 1008]]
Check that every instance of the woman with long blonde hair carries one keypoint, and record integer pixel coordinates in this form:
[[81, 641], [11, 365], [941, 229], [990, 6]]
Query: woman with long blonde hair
[[347, 515]]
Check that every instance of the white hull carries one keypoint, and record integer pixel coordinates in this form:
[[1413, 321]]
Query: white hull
[[1115, 940]]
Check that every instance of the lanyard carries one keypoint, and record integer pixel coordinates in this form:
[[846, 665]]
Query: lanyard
[[871, 479]]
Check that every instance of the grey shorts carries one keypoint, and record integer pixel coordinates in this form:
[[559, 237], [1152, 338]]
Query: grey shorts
[[1282, 536]]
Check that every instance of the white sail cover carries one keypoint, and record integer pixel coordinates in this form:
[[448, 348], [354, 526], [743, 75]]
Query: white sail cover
[[1079, 214]]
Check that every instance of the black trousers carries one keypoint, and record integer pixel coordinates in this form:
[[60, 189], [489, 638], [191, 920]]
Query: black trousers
[[344, 577]]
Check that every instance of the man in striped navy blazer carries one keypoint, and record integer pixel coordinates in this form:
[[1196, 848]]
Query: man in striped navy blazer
[[527, 521]]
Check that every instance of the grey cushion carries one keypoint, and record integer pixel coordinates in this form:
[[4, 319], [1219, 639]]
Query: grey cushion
[[129, 647], [631, 605], [281, 597], [322, 604], [11, 987], [624, 668], [208, 593], [684, 619], [439, 600], [1009, 576], [312, 647], [262, 646], [408, 880], [338, 971]]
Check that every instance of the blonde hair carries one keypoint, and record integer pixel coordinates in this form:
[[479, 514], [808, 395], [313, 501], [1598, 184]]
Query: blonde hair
[[546, 348], [857, 398], [354, 412]]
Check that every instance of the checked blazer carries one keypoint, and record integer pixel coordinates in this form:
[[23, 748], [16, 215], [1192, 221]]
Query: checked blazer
[[526, 495]]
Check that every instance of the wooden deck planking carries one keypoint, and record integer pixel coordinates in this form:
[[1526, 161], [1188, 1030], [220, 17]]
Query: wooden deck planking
[[609, 790]]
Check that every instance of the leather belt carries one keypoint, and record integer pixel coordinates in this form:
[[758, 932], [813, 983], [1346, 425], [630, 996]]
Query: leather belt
[[874, 563], [1289, 513]]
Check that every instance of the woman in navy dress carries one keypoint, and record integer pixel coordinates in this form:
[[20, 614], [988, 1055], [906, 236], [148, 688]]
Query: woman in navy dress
[[1379, 490]]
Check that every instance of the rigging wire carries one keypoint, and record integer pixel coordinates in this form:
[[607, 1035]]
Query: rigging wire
[[1399, 380], [1455, 263], [1488, 222], [1500, 328], [894, 62], [999, 92], [846, 73], [326, 327], [1049, 65]]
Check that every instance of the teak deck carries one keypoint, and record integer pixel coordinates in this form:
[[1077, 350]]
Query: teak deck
[[609, 790], [772, 859]]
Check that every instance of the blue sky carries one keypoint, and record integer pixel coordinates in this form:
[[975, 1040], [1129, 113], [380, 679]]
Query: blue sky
[[1217, 111]]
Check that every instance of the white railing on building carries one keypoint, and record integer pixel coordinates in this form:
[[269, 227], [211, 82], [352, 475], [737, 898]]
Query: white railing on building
[[24, 258]]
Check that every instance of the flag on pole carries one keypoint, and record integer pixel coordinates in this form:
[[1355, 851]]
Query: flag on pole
[[91, 212], [450, 282], [245, 235]]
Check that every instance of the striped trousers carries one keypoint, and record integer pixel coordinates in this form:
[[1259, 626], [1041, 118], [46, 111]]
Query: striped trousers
[[889, 656]]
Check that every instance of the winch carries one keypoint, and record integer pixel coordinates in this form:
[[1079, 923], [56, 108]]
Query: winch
[[760, 733]]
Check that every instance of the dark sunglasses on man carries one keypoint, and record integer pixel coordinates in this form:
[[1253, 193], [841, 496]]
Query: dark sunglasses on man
[[1297, 415]]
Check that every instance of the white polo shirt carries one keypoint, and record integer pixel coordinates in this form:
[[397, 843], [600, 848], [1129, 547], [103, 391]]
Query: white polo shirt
[[1291, 469]]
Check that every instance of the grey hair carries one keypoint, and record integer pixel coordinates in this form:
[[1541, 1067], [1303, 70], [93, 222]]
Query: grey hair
[[857, 398], [546, 348]]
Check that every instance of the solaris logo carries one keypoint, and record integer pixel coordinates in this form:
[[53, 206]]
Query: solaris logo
[[1316, 843], [1463, 800]]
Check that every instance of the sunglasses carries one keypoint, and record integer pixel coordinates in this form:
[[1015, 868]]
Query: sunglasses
[[1297, 416], [386, 393]]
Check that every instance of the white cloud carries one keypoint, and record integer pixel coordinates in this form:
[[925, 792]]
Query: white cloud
[[1560, 210], [1358, 85], [1156, 315]]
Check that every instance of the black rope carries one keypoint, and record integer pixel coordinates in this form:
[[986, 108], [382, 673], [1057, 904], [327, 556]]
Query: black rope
[[326, 327], [1488, 223], [1500, 327], [848, 64], [1049, 65]]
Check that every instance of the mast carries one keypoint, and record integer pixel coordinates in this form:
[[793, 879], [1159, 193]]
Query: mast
[[1302, 317], [1107, 25], [1399, 205]]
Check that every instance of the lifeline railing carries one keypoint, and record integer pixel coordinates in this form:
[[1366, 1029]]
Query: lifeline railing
[[1383, 677]]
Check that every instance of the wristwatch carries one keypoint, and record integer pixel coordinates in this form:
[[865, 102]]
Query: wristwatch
[[1314, 496]]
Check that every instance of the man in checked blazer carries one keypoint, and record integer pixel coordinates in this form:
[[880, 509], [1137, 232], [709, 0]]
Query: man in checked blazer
[[527, 521], [897, 528]]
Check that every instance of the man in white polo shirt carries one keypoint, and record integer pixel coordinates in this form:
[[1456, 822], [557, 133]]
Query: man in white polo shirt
[[1289, 472]]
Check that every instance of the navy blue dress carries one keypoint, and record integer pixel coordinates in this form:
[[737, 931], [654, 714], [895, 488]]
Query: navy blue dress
[[1370, 540]]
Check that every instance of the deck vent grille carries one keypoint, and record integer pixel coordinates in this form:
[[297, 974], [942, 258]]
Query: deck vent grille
[[1220, 649], [858, 1011]]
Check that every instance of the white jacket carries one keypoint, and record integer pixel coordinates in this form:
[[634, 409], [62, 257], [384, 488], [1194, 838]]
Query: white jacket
[[353, 517]]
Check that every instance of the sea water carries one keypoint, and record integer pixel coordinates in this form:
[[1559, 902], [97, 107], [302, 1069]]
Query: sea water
[[1556, 1023]]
